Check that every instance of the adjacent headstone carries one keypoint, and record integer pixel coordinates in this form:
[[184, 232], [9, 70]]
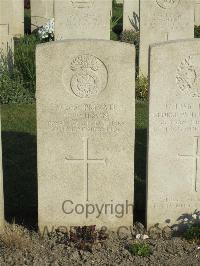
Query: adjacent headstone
[[86, 19], [12, 13], [163, 20], [131, 15], [174, 132], [6, 43], [197, 13], [85, 122], [1, 187], [41, 12]]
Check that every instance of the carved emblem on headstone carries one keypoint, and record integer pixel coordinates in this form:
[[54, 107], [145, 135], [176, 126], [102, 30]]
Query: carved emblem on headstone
[[89, 76], [166, 4], [188, 76], [82, 3]]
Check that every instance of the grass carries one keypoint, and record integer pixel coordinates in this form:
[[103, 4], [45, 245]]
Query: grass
[[16, 237], [20, 167], [19, 163]]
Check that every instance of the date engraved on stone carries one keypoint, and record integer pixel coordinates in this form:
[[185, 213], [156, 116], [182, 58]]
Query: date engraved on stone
[[188, 76], [166, 4], [89, 77]]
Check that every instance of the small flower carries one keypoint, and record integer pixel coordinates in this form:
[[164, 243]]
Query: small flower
[[145, 237], [47, 30], [194, 216], [138, 236], [185, 220]]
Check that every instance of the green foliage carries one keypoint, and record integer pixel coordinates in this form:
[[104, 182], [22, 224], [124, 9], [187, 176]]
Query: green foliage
[[114, 36], [197, 31], [139, 249], [117, 20], [141, 88], [193, 233], [25, 60], [12, 89], [17, 79]]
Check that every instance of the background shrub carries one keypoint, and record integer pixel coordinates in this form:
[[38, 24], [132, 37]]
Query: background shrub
[[141, 89], [17, 82]]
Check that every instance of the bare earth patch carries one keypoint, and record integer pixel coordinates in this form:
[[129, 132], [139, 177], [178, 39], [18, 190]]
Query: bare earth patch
[[19, 246]]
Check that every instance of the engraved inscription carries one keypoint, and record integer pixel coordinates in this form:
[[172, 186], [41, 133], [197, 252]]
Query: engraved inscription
[[89, 76], [168, 22], [188, 76], [86, 161], [82, 3], [166, 4], [178, 117], [92, 118], [195, 157]]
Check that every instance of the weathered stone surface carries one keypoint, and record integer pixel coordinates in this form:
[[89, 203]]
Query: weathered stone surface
[[6, 42], [197, 13], [1, 185], [174, 132], [85, 122], [131, 15], [163, 20], [41, 12], [12, 13], [87, 19]]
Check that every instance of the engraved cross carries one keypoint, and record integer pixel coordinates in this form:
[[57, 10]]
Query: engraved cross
[[195, 156], [86, 161]]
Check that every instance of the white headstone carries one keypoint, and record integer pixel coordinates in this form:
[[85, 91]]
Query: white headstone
[[163, 20], [12, 13], [85, 122], [197, 13], [41, 12], [131, 15], [6, 42], [174, 132], [86, 19]]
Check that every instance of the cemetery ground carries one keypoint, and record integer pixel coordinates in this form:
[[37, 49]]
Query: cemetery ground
[[21, 244]]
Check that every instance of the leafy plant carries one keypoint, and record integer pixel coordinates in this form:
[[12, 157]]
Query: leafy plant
[[141, 88], [193, 233], [116, 23], [18, 72], [139, 249], [24, 60]]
